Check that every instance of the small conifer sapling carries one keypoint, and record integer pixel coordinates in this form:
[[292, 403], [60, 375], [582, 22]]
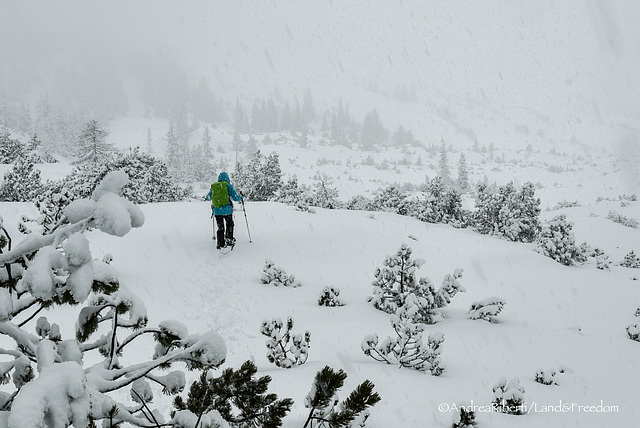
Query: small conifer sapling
[[326, 408]]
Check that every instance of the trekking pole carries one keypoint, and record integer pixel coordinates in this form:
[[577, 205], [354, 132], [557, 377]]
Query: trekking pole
[[213, 226], [245, 219]]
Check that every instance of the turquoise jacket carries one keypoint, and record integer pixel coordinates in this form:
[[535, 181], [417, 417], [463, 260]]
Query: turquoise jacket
[[225, 209]]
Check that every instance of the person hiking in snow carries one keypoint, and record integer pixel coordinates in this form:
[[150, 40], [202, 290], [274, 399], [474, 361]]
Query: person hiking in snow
[[221, 194]]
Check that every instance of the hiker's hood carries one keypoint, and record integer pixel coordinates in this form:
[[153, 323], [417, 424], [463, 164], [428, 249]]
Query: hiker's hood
[[224, 177]]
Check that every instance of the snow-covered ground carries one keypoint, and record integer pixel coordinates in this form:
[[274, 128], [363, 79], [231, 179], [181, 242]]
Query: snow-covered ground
[[555, 317]]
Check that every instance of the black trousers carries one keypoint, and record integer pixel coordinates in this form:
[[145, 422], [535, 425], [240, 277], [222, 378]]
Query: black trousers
[[225, 228]]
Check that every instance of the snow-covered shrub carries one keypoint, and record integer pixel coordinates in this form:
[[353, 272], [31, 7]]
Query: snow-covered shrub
[[439, 205], [546, 377], [22, 183], [465, 418], [395, 280], [486, 309], [304, 207], [326, 408], [234, 398], [601, 258], [396, 283], [391, 199], [508, 397], [556, 240], [359, 202], [508, 212], [408, 349], [330, 297], [564, 204], [290, 192], [284, 348], [631, 260], [623, 220], [633, 331], [272, 274], [322, 194], [50, 380]]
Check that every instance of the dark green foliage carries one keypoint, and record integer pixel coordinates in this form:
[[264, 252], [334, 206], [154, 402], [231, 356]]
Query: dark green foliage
[[165, 337], [239, 398], [111, 415], [88, 321], [326, 411], [200, 398]]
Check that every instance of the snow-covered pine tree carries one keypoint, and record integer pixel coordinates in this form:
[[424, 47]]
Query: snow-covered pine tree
[[289, 193], [240, 119], [279, 350], [57, 269], [92, 144], [397, 289], [331, 297], [395, 280], [272, 274], [546, 377], [271, 174], [173, 151], [633, 331], [601, 258], [391, 199], [373, 132], [308, 107], [359, 202], [556, 240], [234, 397], [252, 145], [486, 309], [10, 148], [438, 205], [462, 182], [631, 260], [444, 172], [509, 397], [22, 183], [326, 408], [35, 151], [408, 349], [507, 212], [259, 178]]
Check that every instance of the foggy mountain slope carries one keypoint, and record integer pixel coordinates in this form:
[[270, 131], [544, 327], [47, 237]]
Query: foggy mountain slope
[[500, 71]]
